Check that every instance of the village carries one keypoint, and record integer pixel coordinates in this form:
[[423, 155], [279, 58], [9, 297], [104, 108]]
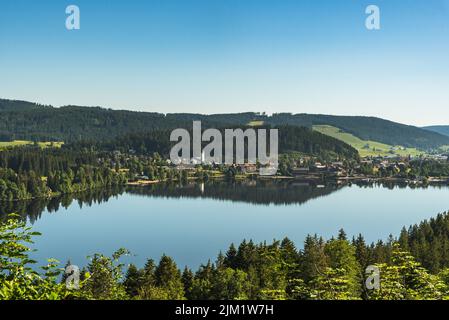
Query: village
[[411, 170]]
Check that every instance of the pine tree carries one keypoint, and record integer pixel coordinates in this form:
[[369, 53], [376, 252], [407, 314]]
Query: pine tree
[[168, 277], [229, 284], [313, 260], [133, 280], [342, 258], [361, 251], [231, 257], [342, 235], [149, 278], [403, 239], [203, 282], [187, 280]]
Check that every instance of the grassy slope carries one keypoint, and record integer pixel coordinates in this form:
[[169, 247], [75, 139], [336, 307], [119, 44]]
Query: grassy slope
[[375, 148], [256, 123], [18, 143]]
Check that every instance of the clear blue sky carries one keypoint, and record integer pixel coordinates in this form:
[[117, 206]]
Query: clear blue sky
[[216, 56]]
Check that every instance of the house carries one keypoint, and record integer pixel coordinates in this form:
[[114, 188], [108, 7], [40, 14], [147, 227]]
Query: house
[[185, 167], [318, 167], [300, 171], [248, 168]]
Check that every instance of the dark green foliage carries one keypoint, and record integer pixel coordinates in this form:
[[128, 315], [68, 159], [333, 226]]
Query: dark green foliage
[[342, 257], [16, 105], [313, 260], [71, 123], [419, 169], [291, 138], [305, 140], [368, 128], [30, 172], [28, 121], [187, 280], [105, 276], [444, 130], [361, 251], [405, 279], [168, 277], [156, 282], [325, 270], [429, 242], [133, 280], [429, 168]]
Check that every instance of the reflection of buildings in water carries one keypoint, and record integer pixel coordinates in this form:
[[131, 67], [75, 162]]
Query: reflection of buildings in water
[[260, 192], [300, 184]]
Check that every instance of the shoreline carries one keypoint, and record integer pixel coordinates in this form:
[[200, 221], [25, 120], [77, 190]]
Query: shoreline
[[310, 178], [313, 178]]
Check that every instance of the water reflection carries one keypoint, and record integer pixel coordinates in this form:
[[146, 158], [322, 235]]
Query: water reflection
[[33, 209], [256, 192]]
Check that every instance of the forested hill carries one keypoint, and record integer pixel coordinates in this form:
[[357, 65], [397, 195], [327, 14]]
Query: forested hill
[[17, 105], [291, 139], [369, 128], [29, 121], [444, 130]]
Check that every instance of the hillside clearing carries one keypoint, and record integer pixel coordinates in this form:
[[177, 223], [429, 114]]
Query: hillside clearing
[[366, 148], [20, 143], [256, 123]]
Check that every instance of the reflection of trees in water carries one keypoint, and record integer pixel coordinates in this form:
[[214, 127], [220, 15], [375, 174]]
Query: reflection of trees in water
[[391, 185], [33, 209], [262, 192], [255, 192]]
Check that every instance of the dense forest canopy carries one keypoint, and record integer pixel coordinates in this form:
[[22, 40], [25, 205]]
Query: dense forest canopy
[[291, 138], [332, 269], [17, 105], [30, 175], [29, 121], [444, 130], [369, 128]]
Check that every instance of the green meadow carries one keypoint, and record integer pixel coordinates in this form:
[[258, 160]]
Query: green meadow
[[256, 123], [366, 148], [20, 143]]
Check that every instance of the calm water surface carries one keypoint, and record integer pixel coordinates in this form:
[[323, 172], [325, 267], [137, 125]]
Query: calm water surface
[[193, 223]]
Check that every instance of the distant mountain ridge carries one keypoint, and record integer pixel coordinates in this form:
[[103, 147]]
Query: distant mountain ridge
[[18, 105], [444, 130], [31, 121], [376, 129]]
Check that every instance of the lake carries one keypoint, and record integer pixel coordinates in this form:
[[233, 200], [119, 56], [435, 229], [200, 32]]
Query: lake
[[193, 222]]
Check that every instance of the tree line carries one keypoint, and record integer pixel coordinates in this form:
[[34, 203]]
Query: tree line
[[30, 121], [291, 139], [32, 172], [333, 269], [413, 169]]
